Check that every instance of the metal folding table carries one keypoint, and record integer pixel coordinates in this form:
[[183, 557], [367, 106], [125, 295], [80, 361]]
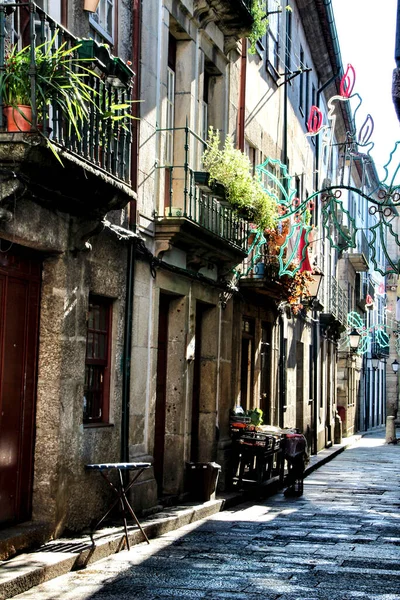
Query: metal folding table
[[121, 490]]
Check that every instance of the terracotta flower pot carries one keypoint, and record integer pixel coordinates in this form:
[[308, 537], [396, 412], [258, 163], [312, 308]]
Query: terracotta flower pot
[[18, 118], [90, 5]]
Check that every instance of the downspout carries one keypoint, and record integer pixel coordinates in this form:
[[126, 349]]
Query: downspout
[[242, 95], [282, 373], [130, 267], [126, 358]]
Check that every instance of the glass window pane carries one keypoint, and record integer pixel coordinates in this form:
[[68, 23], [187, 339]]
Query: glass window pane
[[89, 345]]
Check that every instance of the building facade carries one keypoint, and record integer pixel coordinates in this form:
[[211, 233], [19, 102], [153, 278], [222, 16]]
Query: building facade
[[148, 307]]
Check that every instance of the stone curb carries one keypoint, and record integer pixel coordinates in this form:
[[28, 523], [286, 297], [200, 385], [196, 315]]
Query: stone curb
[[61, 556]]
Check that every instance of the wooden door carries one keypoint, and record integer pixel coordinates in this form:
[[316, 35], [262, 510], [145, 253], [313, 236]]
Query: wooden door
[[19, 315]]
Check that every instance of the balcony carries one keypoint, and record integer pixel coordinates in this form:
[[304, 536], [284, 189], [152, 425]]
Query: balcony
[[196, 218], [380, 344], [76, 157], [359, 257], [333, 318], [233, 17]]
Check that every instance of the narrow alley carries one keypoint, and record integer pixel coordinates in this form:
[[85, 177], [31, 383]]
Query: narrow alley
[[339, 541]]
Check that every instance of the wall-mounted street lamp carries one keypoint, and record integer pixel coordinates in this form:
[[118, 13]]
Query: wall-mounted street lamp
[[395, 365], [314, 284], [312, 287], [354, 340], [375, 363]]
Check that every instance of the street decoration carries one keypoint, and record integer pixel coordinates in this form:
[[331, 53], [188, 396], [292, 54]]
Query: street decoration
[[339, 224], [375, 333]]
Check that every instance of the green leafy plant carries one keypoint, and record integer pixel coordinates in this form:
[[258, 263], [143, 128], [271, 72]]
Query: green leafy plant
[[260, 23], [255, 415], [231, 167], [62, 80], [259, 12]]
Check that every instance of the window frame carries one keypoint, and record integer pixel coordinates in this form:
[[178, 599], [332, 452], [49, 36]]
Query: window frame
[[273, 41], [98, 27], [170, 117], [103, 364]]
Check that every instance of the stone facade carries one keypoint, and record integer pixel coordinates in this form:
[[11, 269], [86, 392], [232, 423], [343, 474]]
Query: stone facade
[[203, 339]]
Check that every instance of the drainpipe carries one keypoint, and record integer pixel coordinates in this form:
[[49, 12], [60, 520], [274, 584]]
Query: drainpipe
[[130, 266], [282, 372], [242, 95], [126, 358]]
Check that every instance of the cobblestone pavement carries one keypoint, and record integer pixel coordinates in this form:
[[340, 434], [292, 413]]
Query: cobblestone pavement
[[340, 541]]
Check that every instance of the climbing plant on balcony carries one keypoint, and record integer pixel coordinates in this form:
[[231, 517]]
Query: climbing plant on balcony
[[259, 12], [260, 23], [244, 192]]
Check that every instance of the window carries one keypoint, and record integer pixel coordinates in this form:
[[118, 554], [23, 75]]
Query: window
[[102, 21], [97, 366], [288, 49], [169, 146], [301, 83], [170, 110], [251, 152], [273, 35], [204, 106], [307, 94]]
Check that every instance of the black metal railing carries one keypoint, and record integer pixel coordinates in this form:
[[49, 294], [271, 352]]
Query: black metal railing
[[247, 3], [336, 301], [103, 137], [380, 343], [195, 200], [363, 245]]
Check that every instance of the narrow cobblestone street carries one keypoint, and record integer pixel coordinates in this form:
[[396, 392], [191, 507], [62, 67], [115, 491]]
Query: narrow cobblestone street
[[340, 541]]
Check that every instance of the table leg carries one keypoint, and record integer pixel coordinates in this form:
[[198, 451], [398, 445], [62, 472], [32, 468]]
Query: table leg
[[128, 506]]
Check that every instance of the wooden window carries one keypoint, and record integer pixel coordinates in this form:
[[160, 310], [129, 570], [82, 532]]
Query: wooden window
[[301, 83], [170, 117], [273, 35], [97, 367], [288, 47], [102, 21]]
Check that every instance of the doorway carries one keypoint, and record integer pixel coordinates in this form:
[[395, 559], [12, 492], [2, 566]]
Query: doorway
[[161, 391], [197, 386], [266, 368], [20, 275], [247, 364]]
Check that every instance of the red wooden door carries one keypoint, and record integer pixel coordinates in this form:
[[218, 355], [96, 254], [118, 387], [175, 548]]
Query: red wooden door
[[19, 314]]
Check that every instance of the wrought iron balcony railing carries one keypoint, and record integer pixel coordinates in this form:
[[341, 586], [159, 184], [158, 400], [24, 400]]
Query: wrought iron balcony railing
[[335, 300], [247, 3], [103, 136], [190, 196], [379, 347]]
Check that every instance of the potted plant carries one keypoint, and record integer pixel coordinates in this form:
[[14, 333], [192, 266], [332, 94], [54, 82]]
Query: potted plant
[[61, 79], [231, 167]]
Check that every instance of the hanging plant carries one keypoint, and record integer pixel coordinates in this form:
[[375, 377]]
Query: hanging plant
[[259, 12], [296, 289], [260, 23], [244, 192]]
